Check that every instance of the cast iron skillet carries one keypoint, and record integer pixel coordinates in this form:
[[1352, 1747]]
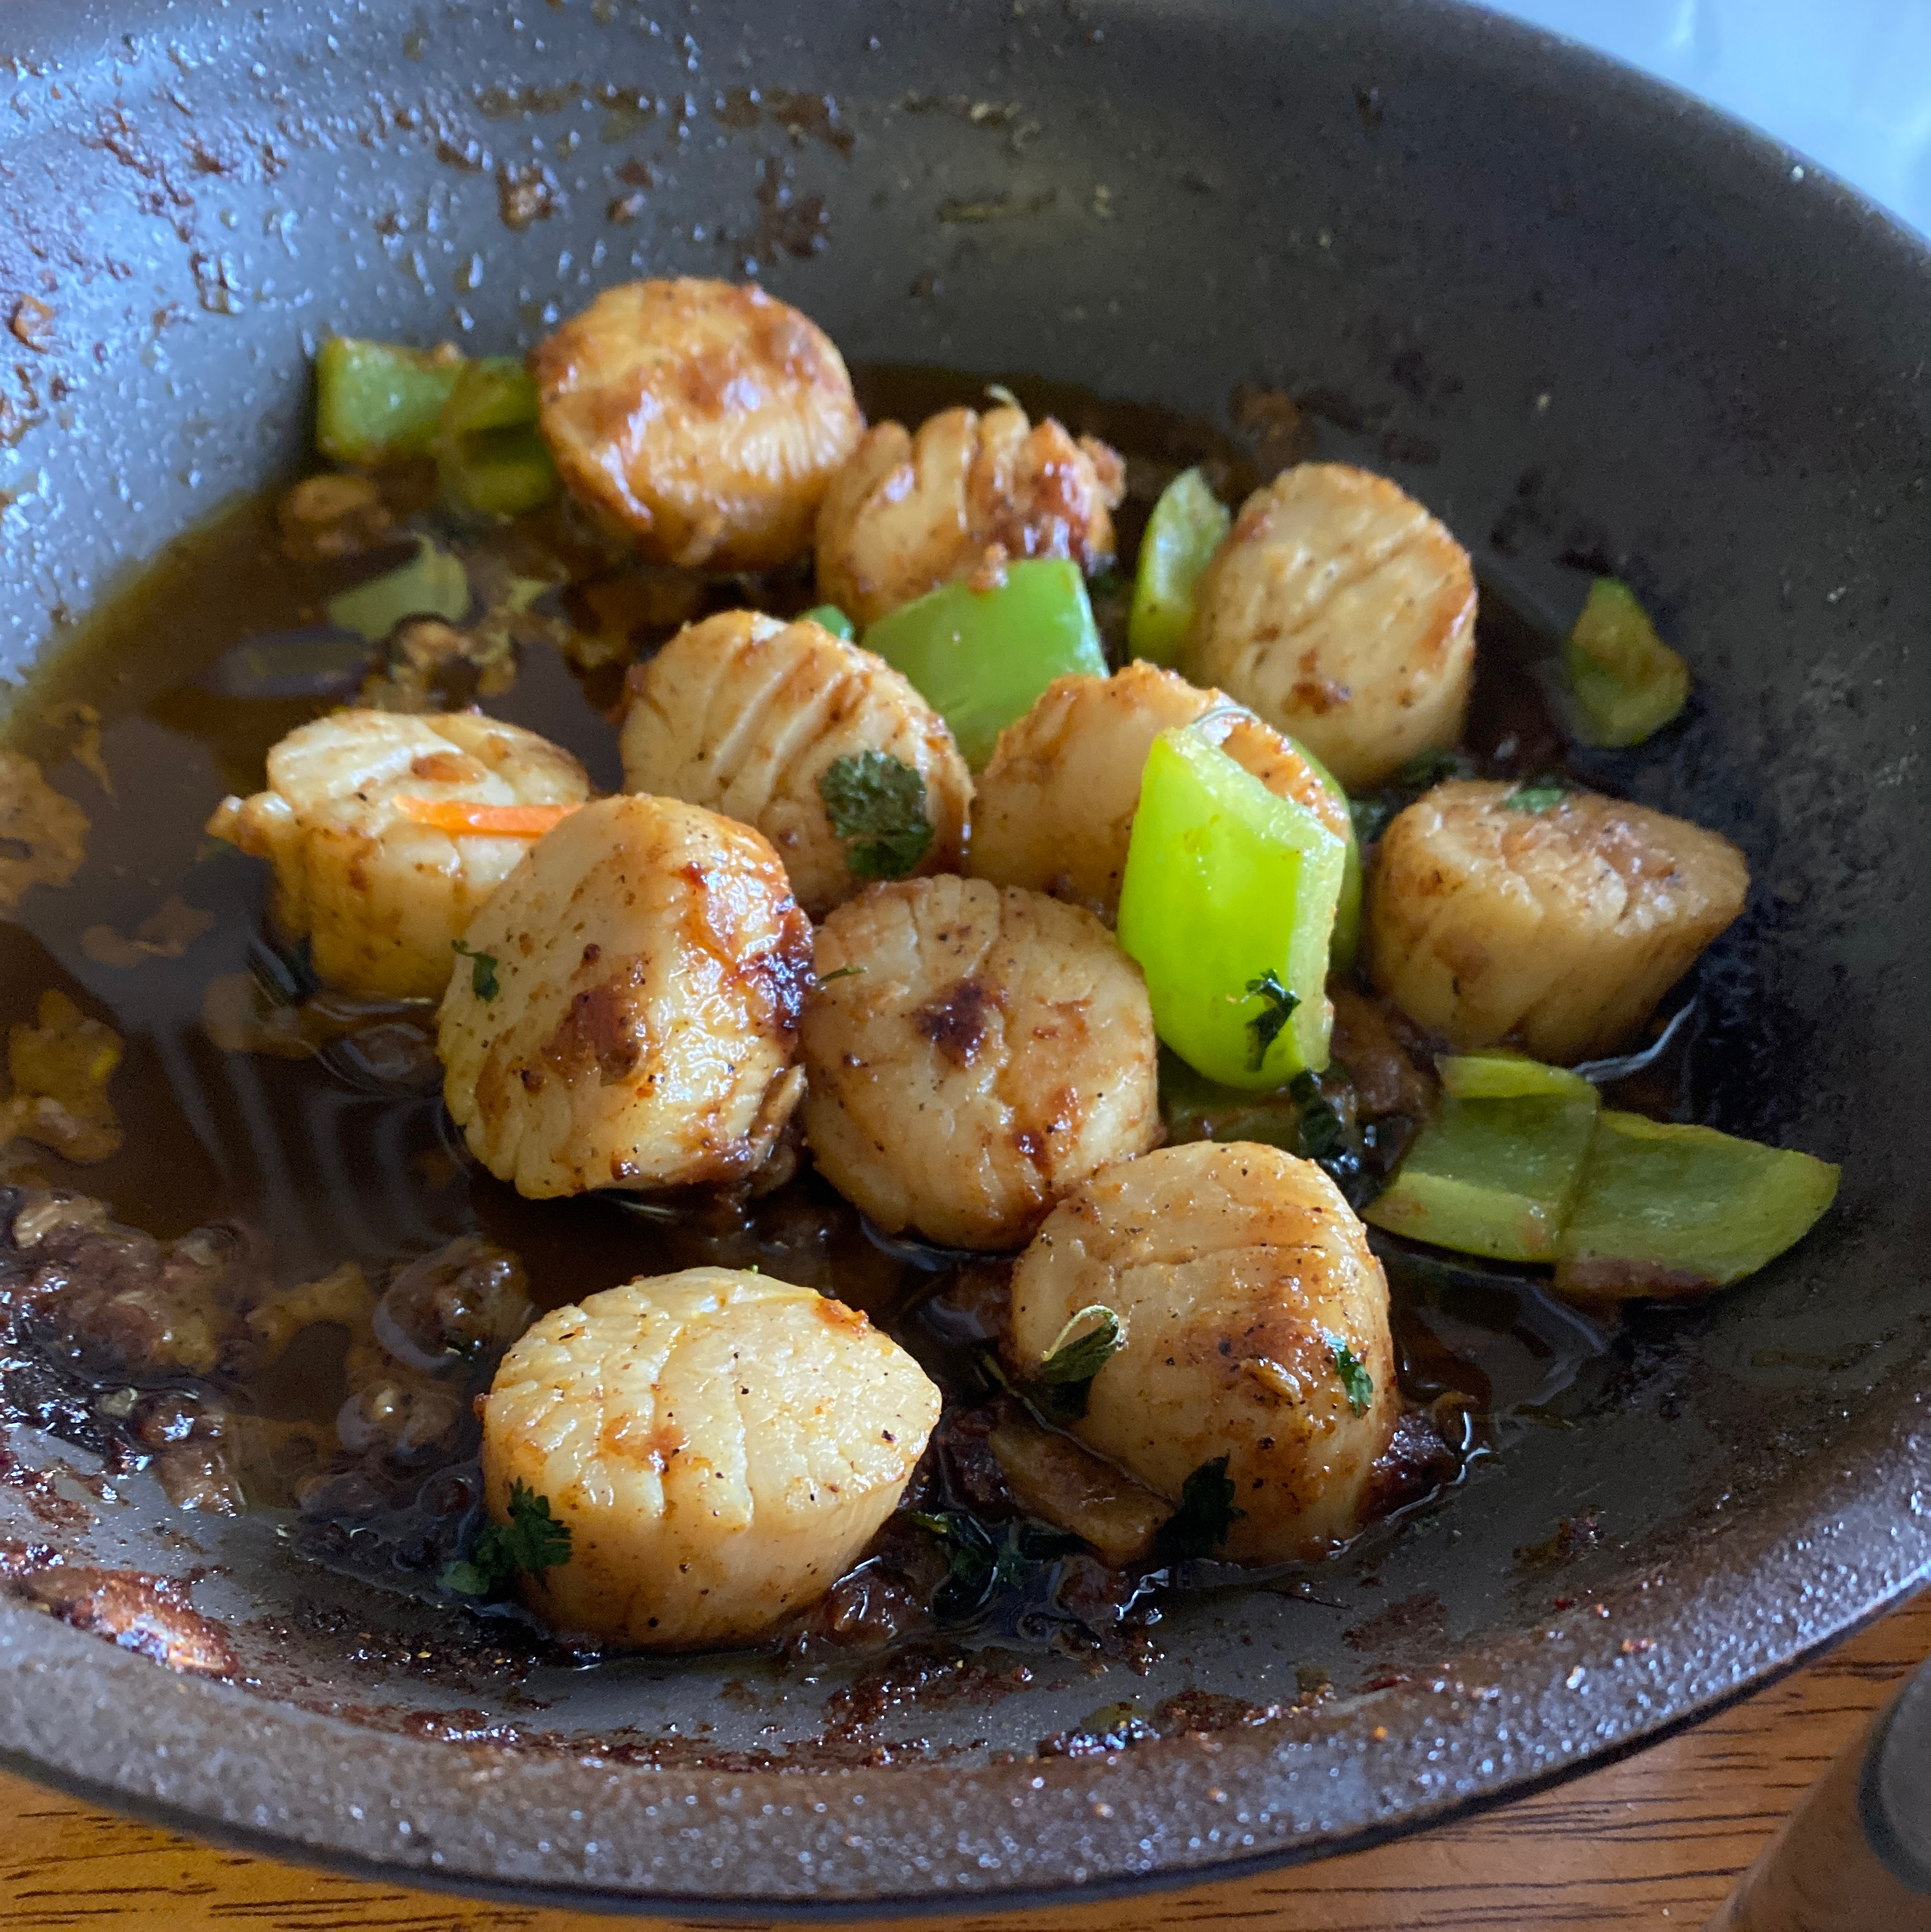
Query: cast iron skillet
[[1582, 318]]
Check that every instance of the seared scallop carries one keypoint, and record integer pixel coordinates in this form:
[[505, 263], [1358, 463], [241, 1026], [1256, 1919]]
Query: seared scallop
[[1053, 810], [1344, 614], [972, 1053], [1254, 1327], [703, 418], [719, 1446], [1555, 921], [380, 897], [760, 720], [908, 513], [626, 1013]]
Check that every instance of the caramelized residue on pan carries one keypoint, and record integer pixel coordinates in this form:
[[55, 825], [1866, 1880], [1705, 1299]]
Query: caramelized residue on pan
[[284, 1284]]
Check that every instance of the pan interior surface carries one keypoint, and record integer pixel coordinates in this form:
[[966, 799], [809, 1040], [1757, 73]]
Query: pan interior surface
[[1593, 327]]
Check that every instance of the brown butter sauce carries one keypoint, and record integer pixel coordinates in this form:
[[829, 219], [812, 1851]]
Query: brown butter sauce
[[218, 648]]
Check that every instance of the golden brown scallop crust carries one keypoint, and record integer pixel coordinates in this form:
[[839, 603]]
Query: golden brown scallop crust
[[636, 1025], [1557, 929], [379, 898], [1238, 1276], [1053, 809], [972, 1053], [721, 1446], [703, 418], [1344, 614], [747, 714], [909, 512]]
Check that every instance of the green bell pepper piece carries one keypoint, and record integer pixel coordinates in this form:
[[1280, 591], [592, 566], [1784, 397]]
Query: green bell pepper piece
[[433, 584], [1668, 1210], [1298, 1118], [1627, 683], [1347, 941], [1498, 1074], [489, 457], [1196, 1108], [980, 658], [1228, 904], [377, 402], [1495, 1172], [829, 617], [1185, 529]]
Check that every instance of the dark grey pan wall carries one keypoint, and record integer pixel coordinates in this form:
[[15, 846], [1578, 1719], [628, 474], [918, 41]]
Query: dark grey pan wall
[[1581, 318]]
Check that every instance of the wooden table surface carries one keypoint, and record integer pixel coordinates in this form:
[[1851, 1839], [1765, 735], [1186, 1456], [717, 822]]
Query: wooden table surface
[[1655, 1841]]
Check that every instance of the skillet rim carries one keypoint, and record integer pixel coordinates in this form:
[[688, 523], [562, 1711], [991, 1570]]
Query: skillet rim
[[1805, 1568], [1810, 1596]]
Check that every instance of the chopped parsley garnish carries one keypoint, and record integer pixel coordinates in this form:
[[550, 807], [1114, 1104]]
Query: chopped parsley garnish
[[1035, 1542], [482, 972], [1054, 1402], [1356, 1384], [1372, 817], [1324, 1138], [989, 1360], [877, 803], [1433, 768], [1199, 1526], [1082, 1358], [1057, 1389], [1373, 813], [974, 1560], [531, 1541], [843, 973], [949, 1525], [1542, 796], [1266, 1025], [980, 1565]]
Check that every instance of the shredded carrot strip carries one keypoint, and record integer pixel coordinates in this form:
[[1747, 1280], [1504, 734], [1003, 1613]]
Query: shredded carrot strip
[[454, 815]]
